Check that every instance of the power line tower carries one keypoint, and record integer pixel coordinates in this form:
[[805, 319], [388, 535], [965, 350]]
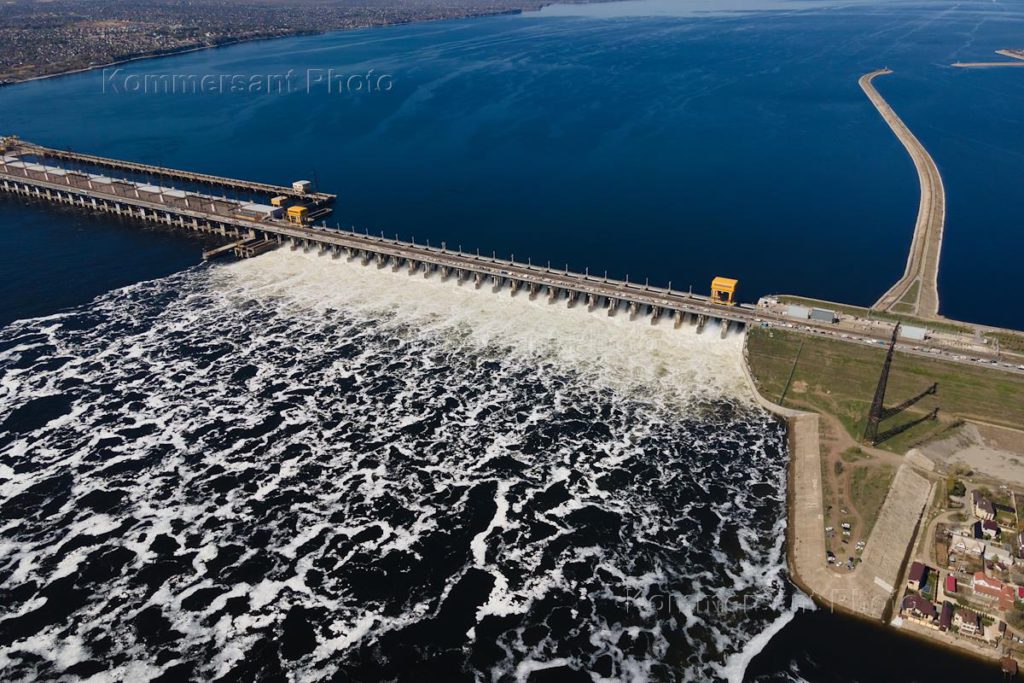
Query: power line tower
[[875, 416]]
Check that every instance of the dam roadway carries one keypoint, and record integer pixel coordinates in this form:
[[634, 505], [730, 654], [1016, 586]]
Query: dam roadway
[[258, 227], [917, 291], [249, 230]]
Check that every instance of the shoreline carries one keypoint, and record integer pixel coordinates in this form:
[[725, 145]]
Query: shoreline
[[153, 55], [792, 418], [255, 39]]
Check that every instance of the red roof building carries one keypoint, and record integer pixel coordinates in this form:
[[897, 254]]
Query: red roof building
[[946, 618], [950, 583], [919, 608], [918, 576], [991, 587], [987, 585]]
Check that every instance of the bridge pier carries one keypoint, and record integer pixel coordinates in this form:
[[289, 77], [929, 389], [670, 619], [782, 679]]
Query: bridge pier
[[591, 302], [533, 290], [498, 283], [570, 301], [677, 317], [725, 328], [365, 258], [552, 294], [655, 315], [613, 307], [513, 287], [413, 265], [382, 261], [428, 269], [701, 320], [632, 310], [478, 280]]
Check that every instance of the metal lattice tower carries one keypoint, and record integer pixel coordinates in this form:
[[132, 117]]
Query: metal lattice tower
[[875, 416]]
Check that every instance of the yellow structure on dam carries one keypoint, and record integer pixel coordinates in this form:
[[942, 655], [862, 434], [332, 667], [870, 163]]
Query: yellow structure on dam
[[723, 289], [297, 214]]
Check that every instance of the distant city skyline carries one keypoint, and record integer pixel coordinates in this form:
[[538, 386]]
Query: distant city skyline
[[39, 39]]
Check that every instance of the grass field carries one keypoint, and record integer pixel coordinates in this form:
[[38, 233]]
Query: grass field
[[839, 378], [868, 488], [1009, 341]]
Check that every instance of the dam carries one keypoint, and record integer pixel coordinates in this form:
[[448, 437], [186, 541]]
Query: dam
[[256, 217]]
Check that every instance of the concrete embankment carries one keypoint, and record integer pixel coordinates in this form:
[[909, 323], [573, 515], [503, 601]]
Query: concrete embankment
[[917, 292], [868, 590]]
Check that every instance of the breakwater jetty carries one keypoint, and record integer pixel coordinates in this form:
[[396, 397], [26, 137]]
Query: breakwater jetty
[[1013, 54], [917, 291]]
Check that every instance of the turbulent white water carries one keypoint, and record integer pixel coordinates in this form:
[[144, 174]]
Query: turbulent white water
[[299, 467]]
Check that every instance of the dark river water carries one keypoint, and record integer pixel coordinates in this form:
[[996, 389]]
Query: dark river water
[[297, 468]]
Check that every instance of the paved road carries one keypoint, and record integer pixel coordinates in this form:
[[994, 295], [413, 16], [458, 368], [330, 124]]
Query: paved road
[[917, 290]]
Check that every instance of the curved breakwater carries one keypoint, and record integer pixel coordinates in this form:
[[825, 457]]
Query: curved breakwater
[[305, 467]]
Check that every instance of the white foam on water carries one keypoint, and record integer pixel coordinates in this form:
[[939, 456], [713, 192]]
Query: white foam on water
[[735, 667], [616, 351], [338, 402], [530, 666]]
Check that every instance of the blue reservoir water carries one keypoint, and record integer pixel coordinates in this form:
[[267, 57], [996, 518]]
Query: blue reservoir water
[[654, 139]]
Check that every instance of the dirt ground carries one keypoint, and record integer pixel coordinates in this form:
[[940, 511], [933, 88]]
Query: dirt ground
[[995, 453], [873, 469]]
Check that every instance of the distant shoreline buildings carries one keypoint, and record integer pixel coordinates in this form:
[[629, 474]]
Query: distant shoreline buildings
[[39, 40]]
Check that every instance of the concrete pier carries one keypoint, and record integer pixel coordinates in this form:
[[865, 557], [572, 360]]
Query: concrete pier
[[917, 292]]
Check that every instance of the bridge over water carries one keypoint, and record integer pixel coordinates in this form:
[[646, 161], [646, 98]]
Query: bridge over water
[[238, 210], [199, 202]]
